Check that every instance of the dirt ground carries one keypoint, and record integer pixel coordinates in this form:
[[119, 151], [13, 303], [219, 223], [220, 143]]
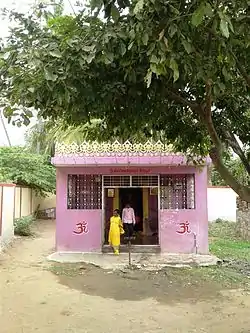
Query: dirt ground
[[36, 296]]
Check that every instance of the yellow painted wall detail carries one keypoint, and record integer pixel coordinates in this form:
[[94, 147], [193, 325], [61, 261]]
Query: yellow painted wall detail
[[145, 206], [116, 199]]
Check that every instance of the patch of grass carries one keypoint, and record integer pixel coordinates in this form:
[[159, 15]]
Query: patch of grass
[[22, 225], [226, 277], [230, 249], [67, 269], [223, 229], [225, 242]]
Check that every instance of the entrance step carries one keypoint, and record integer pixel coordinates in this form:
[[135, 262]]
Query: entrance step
[[134, 249]]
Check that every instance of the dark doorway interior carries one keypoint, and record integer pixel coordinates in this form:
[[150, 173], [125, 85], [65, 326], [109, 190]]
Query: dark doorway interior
[[133, 196]]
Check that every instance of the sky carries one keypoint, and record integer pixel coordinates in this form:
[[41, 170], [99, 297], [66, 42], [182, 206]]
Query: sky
[[17, 134]]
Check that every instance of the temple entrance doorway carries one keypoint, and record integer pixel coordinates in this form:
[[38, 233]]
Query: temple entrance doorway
[[133, 196], [144, 201]]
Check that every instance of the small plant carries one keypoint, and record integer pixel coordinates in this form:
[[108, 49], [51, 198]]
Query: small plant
[[22, 225], [219, 220]]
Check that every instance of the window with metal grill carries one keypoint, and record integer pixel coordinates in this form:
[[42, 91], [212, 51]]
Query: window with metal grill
[[145, 181], [116, 181], [84, 192], [177, 191]]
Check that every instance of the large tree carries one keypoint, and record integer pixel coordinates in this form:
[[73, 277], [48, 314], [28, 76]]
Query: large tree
[[19, 166], [178, 67]]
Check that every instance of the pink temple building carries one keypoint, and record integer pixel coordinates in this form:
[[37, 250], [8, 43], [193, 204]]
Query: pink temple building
[[167, 192]]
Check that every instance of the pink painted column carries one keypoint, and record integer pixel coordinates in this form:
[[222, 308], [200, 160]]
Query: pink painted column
[[172, 240], [71, 235]]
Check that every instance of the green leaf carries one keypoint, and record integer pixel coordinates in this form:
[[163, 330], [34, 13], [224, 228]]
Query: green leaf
[[229, 23], [165, 42], [55, 54], [28, 113], [90, 57], [187, 46], [123, 48], [130, 45], [225, 73], [49, 75], [5, 55], [208, 10], [172, 30], [161, 34], [154, 59], [96, 4], [8, 111], [148, 78], [222, 86], [198, 15], [31, 89], [115, 13], [139, 6], [26, 121], [224, 28], [174, 10], [226, 18], [145, 38], [88, 48], [110, 56], [174, 66]]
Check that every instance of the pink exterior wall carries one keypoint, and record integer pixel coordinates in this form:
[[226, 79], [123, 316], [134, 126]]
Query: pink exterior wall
[[169, 221], [67, 220]]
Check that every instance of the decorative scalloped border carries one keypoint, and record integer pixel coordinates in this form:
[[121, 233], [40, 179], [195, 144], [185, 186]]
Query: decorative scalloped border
[[116, 148]]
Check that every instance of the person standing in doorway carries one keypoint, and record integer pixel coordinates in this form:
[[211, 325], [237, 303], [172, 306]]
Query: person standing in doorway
[[128, 219], [115, 231]]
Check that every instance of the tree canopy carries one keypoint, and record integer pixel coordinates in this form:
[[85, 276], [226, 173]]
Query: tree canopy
[[19, 166], [178, 67]]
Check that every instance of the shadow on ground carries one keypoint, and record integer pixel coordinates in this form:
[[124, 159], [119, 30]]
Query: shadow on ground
[[171, 285]]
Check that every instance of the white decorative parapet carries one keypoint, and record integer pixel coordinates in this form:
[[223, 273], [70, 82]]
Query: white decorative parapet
[[115, 148]]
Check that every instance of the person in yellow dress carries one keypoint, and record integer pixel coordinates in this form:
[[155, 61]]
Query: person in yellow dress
[[115, 231]]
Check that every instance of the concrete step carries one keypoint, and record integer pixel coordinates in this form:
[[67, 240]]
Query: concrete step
[[134, 249]]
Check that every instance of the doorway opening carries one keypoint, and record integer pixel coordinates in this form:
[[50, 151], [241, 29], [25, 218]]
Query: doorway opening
[[144, 201], [133, 196]]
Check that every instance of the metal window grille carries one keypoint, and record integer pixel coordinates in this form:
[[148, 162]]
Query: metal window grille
[[84, 192], [145, 181], [177, 191], [116, 181]]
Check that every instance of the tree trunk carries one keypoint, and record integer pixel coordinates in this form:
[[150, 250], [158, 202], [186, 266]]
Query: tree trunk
[[203, 111], [241, 190]]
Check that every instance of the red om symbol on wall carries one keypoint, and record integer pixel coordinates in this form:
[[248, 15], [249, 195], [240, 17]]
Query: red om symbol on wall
[[184, 228], [81, 228]]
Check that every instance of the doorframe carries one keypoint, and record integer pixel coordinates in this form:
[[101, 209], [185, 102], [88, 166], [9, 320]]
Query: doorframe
[[103, 200]]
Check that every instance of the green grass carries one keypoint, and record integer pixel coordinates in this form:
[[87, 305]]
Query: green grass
[[230, 249], [225, 242], [67, 269]]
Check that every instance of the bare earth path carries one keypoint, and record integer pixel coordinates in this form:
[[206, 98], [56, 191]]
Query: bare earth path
[[35, 299]]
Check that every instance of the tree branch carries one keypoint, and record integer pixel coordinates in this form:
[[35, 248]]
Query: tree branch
[[241, 190], [234, 144], [183, 101], [242, 69], [216, 151], [205, 113]]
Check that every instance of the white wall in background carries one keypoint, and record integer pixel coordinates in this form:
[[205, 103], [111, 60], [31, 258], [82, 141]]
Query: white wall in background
[[221, 203]]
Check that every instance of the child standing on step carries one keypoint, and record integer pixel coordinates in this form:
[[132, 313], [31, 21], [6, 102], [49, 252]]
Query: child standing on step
[[115, 231]]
